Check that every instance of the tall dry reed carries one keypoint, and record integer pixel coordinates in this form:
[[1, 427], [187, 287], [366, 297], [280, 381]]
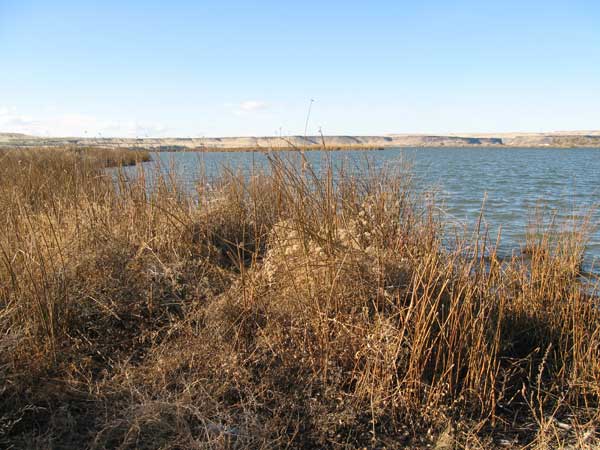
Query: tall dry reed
[[289, 308]]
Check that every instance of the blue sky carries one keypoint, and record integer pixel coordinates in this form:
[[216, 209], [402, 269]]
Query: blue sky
[[204, 68]]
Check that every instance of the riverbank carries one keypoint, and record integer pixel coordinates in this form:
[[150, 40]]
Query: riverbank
[[280, 310]]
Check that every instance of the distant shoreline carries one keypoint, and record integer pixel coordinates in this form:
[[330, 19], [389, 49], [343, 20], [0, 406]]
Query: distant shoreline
[[579, 139]]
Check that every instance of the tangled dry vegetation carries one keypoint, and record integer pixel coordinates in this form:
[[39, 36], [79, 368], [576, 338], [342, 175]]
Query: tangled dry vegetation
[[281, 310]]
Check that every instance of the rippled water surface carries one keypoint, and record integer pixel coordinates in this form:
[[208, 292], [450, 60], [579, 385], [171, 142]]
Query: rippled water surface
[[514, 181]]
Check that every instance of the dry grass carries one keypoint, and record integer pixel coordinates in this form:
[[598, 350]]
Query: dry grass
[[279, 310]]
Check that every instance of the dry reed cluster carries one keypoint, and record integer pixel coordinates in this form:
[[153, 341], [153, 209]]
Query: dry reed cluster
[[286, 309]]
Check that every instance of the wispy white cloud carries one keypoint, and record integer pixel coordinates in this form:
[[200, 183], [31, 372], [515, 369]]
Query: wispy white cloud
[[11, 121], [253, 105], [248, 107]]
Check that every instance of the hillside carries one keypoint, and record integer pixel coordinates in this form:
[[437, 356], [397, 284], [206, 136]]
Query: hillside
[[558, 139]]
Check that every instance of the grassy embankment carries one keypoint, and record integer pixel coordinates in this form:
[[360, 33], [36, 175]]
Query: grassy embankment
[[278, 311]]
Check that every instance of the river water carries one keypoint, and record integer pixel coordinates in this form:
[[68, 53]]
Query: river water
[[513, 181]]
